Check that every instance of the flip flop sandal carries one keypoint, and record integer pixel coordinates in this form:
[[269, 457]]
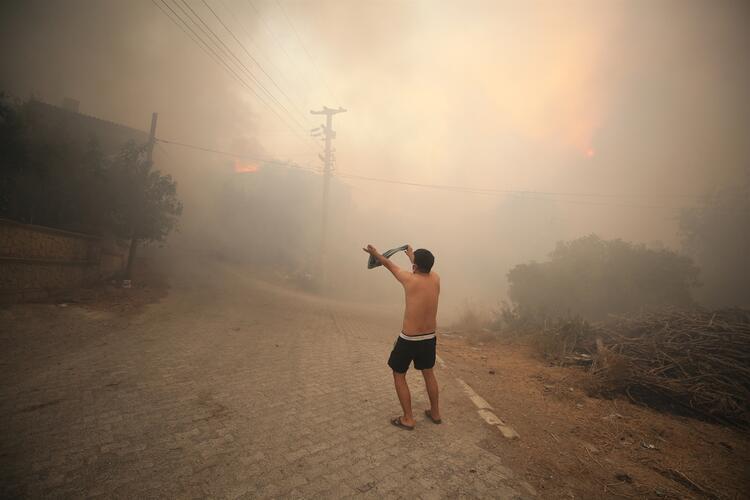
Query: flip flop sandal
[[434, 420], [398, 423]]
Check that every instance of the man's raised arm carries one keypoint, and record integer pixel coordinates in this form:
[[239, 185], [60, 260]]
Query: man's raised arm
[[397, 272]]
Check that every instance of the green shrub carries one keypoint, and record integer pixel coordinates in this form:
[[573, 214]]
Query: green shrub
[[593, 278]]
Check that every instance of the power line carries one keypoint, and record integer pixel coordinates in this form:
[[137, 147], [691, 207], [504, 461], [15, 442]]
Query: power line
[[259, 49], [159, 147], [231, 55], [182, 24], [527, 195], [210, 50], [524, 192], [465, 190], [178, 24], [239, 155], [309, 56], [268, 28], [242, 46], [292, 60], [209, 46]]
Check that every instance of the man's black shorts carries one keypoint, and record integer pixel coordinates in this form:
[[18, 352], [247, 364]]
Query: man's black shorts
[[422, 352]]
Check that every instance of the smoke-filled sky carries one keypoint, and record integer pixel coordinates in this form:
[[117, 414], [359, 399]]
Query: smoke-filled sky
[[615, 112]]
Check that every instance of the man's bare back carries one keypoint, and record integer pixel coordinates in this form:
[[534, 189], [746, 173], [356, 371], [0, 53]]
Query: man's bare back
[[422, 292]]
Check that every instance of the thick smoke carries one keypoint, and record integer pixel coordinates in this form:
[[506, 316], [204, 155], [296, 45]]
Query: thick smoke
[[615, 115]]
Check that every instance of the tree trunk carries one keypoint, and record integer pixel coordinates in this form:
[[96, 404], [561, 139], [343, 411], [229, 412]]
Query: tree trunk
[[131, 258]]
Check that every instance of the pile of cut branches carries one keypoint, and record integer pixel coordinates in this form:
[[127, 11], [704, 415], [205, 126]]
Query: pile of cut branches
[[697, 360], [686, 361]]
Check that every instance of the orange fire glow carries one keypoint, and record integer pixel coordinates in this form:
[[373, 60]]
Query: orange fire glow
[[245, 168]]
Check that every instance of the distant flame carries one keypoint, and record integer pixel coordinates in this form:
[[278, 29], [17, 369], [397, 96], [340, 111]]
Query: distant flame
[[245, 168], [590, 152]]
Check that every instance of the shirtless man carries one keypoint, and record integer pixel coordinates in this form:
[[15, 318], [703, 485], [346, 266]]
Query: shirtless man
[[417, 339]]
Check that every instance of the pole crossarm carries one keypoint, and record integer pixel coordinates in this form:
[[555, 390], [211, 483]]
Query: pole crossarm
[[328, 111]]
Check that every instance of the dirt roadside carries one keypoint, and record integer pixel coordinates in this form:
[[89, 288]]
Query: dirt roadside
[[148, 286], [575, 446]]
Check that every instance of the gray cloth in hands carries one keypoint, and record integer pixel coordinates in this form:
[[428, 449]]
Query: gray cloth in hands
[[373, 262]]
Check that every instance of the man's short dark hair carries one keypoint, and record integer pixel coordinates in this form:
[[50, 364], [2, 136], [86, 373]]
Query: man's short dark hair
[[424, 260]]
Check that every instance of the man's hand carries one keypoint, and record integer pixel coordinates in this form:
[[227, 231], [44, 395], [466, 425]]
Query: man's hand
[[410, 253], [371, 250], [400, 275]]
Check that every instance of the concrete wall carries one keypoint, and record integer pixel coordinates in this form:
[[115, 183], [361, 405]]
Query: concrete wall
[[36, 261]]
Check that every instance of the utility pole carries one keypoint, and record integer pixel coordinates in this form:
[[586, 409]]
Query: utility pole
[[149, 157], [152, 137], [329, 134]]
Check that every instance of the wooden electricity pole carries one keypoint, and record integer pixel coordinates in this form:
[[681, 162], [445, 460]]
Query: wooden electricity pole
[[152, 137], [329, 134]]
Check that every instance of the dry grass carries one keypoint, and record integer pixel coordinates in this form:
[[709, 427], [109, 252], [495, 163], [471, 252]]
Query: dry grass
[[473, 319]]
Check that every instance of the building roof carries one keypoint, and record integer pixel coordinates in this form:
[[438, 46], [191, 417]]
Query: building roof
[[82, 128]]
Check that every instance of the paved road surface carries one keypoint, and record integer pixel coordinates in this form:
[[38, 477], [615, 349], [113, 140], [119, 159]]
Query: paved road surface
[[235, 389]]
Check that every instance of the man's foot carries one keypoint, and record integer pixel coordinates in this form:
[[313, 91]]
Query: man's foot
[[434, 420], [398, 423]]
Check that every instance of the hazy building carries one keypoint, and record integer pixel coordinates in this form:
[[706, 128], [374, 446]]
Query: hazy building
[[73, 126]]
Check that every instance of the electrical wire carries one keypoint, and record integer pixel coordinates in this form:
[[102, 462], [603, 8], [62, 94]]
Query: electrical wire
[[259, 50], [524, 192], [240, 155], [309, 56], [242, 46], [219, 43], [212, 52], [230, 53], [524, 195], [185, 28], [182, 24], [292, 60]]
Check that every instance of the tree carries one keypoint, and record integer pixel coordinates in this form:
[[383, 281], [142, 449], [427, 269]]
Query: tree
[[50, 178], [145, 206], [716, 233], [594, 277]]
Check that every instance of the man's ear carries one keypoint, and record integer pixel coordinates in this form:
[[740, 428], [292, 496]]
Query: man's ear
[[414, 268]]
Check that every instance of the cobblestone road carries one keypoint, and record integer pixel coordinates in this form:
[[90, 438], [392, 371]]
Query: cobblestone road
[[238, 390]]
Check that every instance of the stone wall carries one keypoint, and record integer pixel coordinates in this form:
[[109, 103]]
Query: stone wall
[[36, 261]]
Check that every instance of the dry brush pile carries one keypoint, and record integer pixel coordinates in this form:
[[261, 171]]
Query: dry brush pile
[[695, 361]]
